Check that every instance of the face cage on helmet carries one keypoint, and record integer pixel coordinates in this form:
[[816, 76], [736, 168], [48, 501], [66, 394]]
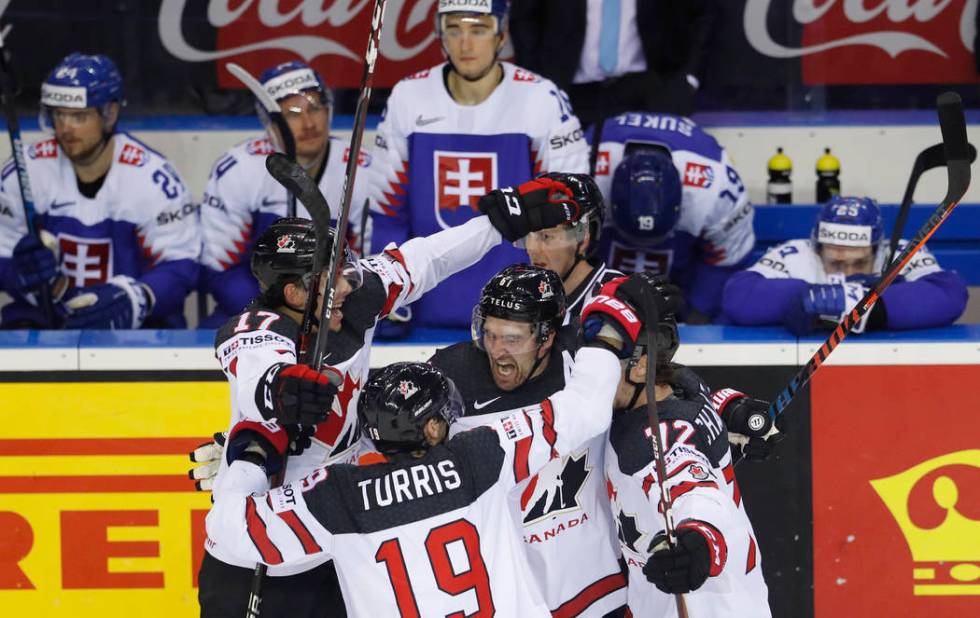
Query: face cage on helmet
[[539, 330], [46, 122]]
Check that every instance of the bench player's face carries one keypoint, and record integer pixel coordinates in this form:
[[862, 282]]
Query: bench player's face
[[79, 131], [512, 350], [471, 41], [847, 260], [307, 118], [554, 248]]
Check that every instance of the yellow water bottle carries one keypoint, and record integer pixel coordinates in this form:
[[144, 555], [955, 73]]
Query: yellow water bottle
[[828, 176], [779, 189]]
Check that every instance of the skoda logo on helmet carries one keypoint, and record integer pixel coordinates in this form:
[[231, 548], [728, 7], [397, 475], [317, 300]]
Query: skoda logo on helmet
[[482, 6], [832, 235], [292, 82], [844, 234]]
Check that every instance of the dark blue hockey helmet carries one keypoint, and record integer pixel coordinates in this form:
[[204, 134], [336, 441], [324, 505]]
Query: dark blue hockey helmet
[[80, 81], [849, 221], [645, 196], [495, 8], [294, 77]]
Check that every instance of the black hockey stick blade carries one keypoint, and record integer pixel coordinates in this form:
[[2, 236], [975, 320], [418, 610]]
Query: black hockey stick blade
[[953, 126]]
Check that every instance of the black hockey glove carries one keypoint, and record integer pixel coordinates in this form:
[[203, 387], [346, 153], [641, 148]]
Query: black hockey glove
[[750, 429], [699, 551], [535, 205], [263, 444], [295, 395]]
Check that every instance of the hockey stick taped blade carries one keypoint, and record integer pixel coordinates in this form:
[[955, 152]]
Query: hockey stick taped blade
[[953, 125]]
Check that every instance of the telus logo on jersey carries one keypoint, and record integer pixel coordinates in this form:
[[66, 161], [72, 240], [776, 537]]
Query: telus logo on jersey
[[407, 484], [461, 179]]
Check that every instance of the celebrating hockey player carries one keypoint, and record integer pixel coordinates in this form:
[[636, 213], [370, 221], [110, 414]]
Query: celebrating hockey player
[[452, 133], [430, 531], [570, 249], [809, 284], [257, 350], [677, 205], [120, 236], [242, 199], [519, 356], [715, 560]]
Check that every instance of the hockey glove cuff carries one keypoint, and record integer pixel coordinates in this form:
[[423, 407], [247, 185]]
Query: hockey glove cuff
[[750, 428], [263, 444], [33, 265], [699, 552], [118, 304]]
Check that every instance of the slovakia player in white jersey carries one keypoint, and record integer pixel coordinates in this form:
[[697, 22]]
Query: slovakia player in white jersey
[[809, 284], [677, 206], [241, 199], [715, 562], [455, 131], [258, 352], [121, 236], [430, 532]]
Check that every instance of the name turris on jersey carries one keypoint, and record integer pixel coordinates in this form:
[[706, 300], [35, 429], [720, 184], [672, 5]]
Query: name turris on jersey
[[406, 484]]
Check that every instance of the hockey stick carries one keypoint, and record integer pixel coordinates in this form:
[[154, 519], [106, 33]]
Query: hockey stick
[[275, 115], [17, 147], [932, 157], [953, 126], [653, 420]]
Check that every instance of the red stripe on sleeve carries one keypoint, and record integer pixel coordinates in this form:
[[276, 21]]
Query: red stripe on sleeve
[[680, 489], [548, 416], [259, 535], [750, 561], [296, 525], [589, 595], [522, 454]]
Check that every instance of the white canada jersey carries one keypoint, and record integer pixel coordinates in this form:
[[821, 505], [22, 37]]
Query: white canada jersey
[[432, 536], [798, 259], [249, 344], [242, 199], [703, 490]]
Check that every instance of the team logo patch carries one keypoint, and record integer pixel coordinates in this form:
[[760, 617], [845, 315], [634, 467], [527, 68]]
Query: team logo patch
[[631, 260], [259, 146], [407, 388], [602, 163], [699, 176], [545, 290], [461, 179], [363, 158], [698, 472], [555, 488], [48, 149], [523, 75], [133, 155], [85, 261], [285, 244]]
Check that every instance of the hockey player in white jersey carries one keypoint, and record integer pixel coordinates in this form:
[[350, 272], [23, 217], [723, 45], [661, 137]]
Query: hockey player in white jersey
[[715, 561], [121, 231], [241, 199], [455, 131], [257, 350], [677, 205], [430, 532], [571, 249], [809, 284]]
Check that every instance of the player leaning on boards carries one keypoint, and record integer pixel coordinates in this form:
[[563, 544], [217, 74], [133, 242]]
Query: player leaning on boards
[[257, 352], [677, 206], [430, 531], [715, 562], [455, 131], [241, 200], [809, 284], [122, 232]]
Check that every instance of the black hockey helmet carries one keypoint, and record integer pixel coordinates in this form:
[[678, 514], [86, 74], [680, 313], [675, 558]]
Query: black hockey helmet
[[522, 293], [586, 193], [400, 399], [284, 252], [667, 338]]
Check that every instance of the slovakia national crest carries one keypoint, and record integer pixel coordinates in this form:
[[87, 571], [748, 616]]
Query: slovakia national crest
[[699, 176], [48, 149], [85, 261], [285, 244], [602, 163], [133, 155], [259, 146], [461, 179]]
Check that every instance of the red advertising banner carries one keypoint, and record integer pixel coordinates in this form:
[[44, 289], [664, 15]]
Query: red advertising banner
[[896, 491]]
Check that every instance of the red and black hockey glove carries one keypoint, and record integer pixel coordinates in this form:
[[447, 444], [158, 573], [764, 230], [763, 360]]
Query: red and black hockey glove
[[621, 306], [535, 205], [263, 444], [295, 395], [699, 552], [750, 429]]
